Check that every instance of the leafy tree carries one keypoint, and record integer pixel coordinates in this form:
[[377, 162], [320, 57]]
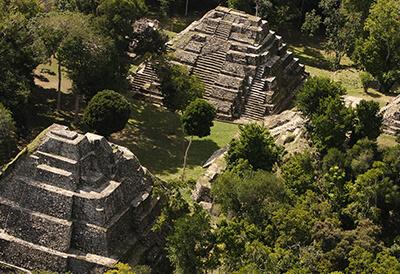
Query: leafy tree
[[21, 51], [366, 80], [373, 195], [197, 120], [90, 59], [252, 197], [314, 92], [334, 157], [191, 243], [118, 17], [294, 224], [107, 112], [8, 138], [232, 237], [256, 145], [361, 156], [330, 127], [83, 6], [391, 158], [299, 172], [368, 121], [150, 40], [177, 86], [378, 53], [56, 30]]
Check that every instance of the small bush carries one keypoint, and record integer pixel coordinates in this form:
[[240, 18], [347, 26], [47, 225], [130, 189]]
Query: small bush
[[107, 112], [366, 80]]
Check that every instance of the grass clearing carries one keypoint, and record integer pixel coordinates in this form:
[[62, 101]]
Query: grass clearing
[[317, 62], [47, 77], [155, 136]]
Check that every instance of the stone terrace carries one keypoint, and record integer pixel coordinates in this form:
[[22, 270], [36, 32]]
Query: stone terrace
[[245, 67], [391, 117], [75, 203]]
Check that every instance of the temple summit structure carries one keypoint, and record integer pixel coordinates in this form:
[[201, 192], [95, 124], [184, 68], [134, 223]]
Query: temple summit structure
[[75, 203], [246, 68]]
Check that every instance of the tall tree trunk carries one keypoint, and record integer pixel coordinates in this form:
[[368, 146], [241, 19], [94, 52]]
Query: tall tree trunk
[[187, 8], [257, 6], [185, 158], [59, 86], [77, 101]]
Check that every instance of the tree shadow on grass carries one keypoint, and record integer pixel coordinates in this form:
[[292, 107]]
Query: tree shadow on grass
[[155, 136], [200, 151], [41, 112]]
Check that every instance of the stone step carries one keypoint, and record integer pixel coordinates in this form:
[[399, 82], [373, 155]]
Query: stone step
[[56, 176], [215, 68], [31, 256], [57, 161], [35, 227], [256, 107], [44, 198]]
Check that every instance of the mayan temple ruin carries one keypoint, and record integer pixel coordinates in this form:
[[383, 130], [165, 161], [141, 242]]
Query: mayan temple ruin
[[391, 117], [77, 203], [245, 67]]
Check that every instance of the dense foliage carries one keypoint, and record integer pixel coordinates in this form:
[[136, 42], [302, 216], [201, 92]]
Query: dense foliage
[[177, 86], [329, 122], [20, 53], [379, 52], [151, 40], [197, 119], [8, 138], [107, 112], [255, 146]]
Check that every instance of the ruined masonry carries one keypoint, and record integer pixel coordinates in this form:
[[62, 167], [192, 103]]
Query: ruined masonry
[[245, 67], [391, 117], [75, 203]]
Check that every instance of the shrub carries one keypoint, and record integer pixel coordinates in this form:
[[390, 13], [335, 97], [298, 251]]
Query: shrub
[[107, 112], [256, 145], [366, 80], [314, 92], [8, 139]]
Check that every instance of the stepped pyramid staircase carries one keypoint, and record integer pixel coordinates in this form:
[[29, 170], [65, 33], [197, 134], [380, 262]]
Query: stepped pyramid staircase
[[208, 66], [207, 69], [256, 105], [223, 30]]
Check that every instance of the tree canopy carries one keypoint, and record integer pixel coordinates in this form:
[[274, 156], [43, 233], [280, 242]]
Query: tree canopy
[[378, 52], [254, 145], [107, 112]]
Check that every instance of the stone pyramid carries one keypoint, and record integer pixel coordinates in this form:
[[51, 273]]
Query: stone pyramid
[[245, 67], [73, 202], [391, 117]]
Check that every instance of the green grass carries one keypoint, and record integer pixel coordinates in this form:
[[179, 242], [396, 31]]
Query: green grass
[[155, 136], [317, 62]]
